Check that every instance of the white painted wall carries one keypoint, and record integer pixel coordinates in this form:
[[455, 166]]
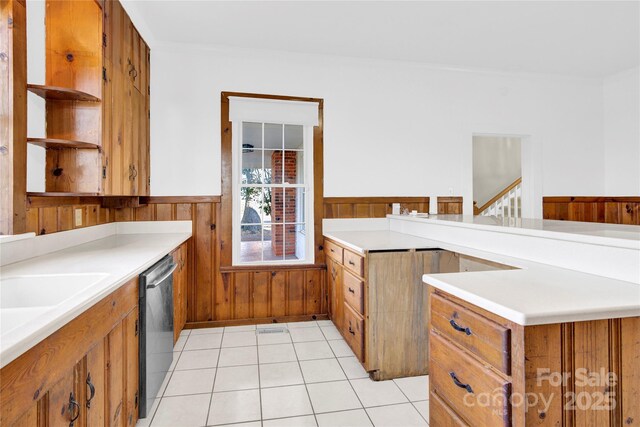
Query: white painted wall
[[622, 133], [391, 129], [496, 164], [35, 105]]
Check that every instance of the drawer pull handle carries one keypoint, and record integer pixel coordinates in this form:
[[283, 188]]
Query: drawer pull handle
[[352, 291], [332, 250], [459, 328], [92, 390], [352, 263], [74, 409], [351, 331], [460, 384]]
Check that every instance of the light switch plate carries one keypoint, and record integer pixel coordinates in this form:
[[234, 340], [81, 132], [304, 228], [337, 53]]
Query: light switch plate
[[78, 217]]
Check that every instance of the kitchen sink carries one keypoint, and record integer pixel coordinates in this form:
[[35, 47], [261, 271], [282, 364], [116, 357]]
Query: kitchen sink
[[31, 291]]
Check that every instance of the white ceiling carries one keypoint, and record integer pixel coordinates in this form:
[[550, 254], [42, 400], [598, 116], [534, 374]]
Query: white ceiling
[[583, 38]]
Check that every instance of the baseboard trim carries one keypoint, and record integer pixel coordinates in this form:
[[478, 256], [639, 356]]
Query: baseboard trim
[[259, 321]]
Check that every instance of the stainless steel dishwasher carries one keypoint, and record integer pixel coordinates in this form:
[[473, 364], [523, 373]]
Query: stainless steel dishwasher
[[156, 330]]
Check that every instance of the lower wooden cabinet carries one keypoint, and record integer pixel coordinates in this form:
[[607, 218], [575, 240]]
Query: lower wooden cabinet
[[488, 371], [63, 400], [84, 374], [379, 304], [180, 288], [334, 288], [95, 384]]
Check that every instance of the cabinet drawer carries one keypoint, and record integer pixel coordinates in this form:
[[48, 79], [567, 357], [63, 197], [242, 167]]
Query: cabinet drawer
[[354, 263], [354, 292], [354, 331], [441, 415], [474, 392], [333, 251], [481, 336]]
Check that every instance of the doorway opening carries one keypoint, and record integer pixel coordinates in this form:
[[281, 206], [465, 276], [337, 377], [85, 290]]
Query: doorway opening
[[497, 176]]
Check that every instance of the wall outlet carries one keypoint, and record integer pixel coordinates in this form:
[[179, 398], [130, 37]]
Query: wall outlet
[[451, 191], [78, 217]]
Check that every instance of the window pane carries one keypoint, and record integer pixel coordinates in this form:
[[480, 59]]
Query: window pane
[[291, 203], [266, 205], [273, 136], [277, 205], [271, 158], [251, 243], [290, 244], [300, 241], [251, 205], [251, 135], [268, 251], [293, 137], [276, 248], [251, 162]]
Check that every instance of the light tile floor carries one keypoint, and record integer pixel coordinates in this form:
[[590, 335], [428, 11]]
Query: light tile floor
[[306, 377]]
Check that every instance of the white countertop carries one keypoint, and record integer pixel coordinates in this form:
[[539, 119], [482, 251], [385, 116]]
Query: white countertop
[[121, 251], [534, 293], [379, 240], [618, 235]]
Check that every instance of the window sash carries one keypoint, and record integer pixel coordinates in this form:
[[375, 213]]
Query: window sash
[[309, 252]]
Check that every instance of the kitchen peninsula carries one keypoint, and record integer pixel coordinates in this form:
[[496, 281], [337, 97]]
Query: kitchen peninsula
[[514, 326]]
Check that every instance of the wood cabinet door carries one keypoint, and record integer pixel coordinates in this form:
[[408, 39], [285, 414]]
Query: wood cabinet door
[[131, 345], [95, 386], [115, 376], [180, 279], [143, 123], [336, 298], [135, 58], [30, 418], [64, 403], [116, 168], [184, 281], [177, 294]]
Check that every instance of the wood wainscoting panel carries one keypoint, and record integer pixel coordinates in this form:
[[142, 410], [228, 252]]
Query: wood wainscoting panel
[[46, 215], [370, 207], [450, 205], [611, 210], [230, 296]]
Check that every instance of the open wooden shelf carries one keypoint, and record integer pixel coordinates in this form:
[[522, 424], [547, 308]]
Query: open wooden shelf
[[61, 143], [61, 93]]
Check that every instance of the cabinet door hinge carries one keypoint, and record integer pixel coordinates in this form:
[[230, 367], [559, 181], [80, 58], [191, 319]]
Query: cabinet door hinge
[[104, 39], [104, 74], [104, 172], [136, 401], [137, 326]]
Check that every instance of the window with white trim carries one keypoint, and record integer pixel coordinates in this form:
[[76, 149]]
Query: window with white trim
[[272, 154]]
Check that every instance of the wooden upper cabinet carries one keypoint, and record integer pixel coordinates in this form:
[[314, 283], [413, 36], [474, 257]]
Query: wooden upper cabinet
[[73, 94], [126, 130], [97, 98]]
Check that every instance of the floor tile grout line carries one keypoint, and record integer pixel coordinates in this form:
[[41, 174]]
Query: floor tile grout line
[[215, 377], [419, 413], [305, 386], [259, 379], [352, 388], [410, 401]]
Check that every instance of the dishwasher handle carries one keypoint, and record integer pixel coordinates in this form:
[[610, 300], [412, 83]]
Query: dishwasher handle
[[162, 278]]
